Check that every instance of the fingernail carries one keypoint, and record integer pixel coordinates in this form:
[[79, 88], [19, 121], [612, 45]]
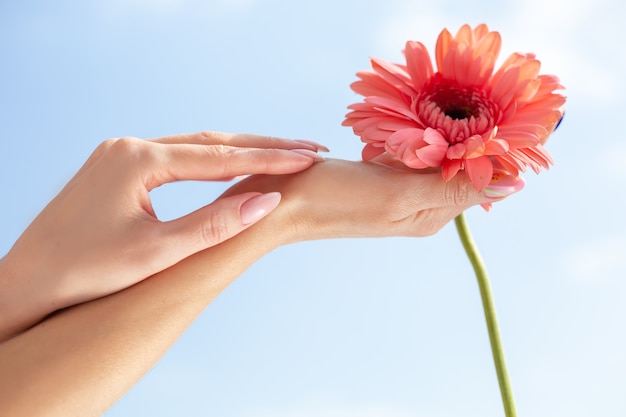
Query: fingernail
[[503, 185], [308, 153], [316, 145], [258, 207]]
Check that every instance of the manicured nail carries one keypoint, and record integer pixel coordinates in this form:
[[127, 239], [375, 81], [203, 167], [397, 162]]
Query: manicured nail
[[316, 145], [503, 185], [258, 207], [308, 153]]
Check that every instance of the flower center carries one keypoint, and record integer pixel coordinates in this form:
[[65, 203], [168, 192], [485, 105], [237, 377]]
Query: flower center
[[456, 111], [456, 103]]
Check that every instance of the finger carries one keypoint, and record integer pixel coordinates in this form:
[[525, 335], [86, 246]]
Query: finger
[[427, 222], [241, 140], [459, 192], [431, 191], [215, 223], [198, 162]]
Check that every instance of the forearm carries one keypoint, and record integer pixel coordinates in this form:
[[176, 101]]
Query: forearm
[[70, 253], [23, 302], [83, 359]]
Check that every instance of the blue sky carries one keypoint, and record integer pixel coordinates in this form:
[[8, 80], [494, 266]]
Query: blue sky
[[350, 328]]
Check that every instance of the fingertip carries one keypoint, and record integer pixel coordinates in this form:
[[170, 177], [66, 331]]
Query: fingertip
[[503, 185], [460, 190], [258, 207], [317, 146], [217, 222], [309, 154]]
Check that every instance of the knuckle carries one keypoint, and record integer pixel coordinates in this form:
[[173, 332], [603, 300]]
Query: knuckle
[[105, 146], [208, 136], [135, 150], [215, 230], [126, 144], [222, 157], [220, 150], [457, 194], [270, 139]]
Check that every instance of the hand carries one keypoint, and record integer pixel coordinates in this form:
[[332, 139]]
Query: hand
[[100, 234], [338, 198]]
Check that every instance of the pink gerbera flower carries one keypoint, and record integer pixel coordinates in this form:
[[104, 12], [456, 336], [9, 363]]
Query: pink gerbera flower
[[462, 117]]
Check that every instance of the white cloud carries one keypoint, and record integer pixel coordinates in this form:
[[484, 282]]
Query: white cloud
[[159, 7], [419, 22], [597, 259], [611, 162], [339, 411], [570, 38], [165, 8], [239, 6]]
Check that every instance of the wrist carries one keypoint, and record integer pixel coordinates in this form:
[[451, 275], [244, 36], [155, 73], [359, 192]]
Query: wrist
[[278, 228], [301, 216], [308, 209]]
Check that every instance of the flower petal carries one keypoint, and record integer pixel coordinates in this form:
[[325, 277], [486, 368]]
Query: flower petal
[[418, 63], [391, 107], [372, 84], [465, 34], [403, 145], [479, 172], [456, 151], [433, 137], [503, 90], [393, 123], [443, 45], [489, 44], [434, 152], [464, 116], [475, 146], [522, 135], [394, 75], [372, 150], [450, 168], [400, 140], [496, 147], [431, 155]]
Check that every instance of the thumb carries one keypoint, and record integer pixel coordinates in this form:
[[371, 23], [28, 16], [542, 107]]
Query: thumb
[[459, 192], [216, 222]]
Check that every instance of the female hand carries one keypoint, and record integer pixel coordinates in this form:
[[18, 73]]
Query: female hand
[[70, 353], [100, 234], [339, 198]]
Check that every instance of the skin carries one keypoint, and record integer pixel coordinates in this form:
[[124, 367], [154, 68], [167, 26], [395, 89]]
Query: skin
[[82, 359], [101, 235]]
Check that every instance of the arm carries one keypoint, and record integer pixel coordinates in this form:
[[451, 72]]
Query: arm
[[81, 360], [106, 345], [101, 235]]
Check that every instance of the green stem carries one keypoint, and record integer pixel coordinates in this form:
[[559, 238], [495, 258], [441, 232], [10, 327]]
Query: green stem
[[490, 314]]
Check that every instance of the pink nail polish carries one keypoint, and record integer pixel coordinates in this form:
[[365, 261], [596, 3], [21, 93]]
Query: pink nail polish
[[503, 185], [308, 153], [316, 145], [258, 207]]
